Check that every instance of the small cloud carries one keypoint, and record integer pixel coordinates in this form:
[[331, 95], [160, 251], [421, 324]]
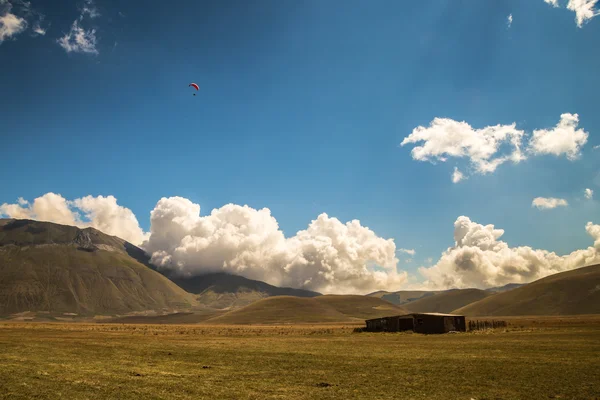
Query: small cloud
[[79, 40], [10, 24], [90, 9], [509, 20], [22, 201], [547, 203], [596, 147], [589, 193], [410, 252], [37, 29], [429, 260], [584, 9], [457, 176], [564, 138]]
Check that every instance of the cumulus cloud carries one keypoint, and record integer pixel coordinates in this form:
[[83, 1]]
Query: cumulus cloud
[[589, 193], [79, 40], [480, 259], [102, 213], [546, 203], [584, 10], [445, 138], [564, 138], [410, 252], [457, 176], [509, 20], [10, 24], [329, 256]]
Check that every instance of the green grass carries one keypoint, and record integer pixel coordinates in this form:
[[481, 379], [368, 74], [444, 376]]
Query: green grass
[[100, 361]]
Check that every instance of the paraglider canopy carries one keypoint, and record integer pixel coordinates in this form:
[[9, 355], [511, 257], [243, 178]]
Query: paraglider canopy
[[194, 86]]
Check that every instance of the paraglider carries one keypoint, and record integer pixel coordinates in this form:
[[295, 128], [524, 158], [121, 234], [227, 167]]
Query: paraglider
[[194, 86]]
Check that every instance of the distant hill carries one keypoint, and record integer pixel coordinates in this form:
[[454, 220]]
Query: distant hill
[[567, 293], [447, 301], [221, 290], [505, 288], [327, 308], [402, 296], [63, 269]]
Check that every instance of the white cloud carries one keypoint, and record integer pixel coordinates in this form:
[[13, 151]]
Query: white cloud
[[448, 138], [564, 138], [329, 256], [10, 24], [37, 28], [509, 20], [457, 176], [589, 193], [410, 252], [546, 203], [79, 40], [102, 213], [584, 10], [596, 147], [445, 138], [89, 8], [479, 259]]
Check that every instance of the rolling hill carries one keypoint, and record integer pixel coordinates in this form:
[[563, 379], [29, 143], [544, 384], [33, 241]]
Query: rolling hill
[[222, 290], [507, 287], [63, 269], [572, 292], [320, 309], [402, 297], [447, 301]]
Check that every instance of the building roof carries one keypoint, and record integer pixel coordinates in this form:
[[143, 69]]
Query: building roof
[[437, 314], [415, 314]]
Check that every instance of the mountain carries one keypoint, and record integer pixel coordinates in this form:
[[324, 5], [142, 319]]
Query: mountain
[[63, 269], [447, 301], [572, 292], [222, 290], [320, 309], [402, 296], [504, 288]]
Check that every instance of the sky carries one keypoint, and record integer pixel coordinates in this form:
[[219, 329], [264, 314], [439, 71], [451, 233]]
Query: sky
[[343, 147]]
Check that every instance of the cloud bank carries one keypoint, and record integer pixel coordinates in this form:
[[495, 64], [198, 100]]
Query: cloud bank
[[486, 148], [479, 259], [102, 213], [329, 256]]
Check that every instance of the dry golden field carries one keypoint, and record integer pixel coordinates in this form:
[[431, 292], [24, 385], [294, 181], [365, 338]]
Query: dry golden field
[[535, 358]]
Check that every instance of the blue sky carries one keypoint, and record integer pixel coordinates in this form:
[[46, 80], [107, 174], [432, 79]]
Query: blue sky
[[302, 108]]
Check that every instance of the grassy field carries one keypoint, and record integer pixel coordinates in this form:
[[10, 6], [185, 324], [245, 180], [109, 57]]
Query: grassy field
[[532, 359]]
